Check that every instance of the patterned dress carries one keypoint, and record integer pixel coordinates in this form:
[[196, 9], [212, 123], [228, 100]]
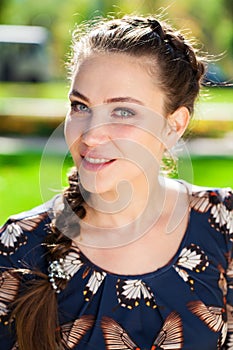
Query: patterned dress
[[186, 304]]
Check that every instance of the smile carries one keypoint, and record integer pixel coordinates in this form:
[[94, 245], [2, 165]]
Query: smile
[[97, 160], [96, 164]]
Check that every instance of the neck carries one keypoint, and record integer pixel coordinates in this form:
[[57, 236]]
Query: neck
[[118, 217]]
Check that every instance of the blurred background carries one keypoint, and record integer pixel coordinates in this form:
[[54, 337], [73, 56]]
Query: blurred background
[[34, 45]]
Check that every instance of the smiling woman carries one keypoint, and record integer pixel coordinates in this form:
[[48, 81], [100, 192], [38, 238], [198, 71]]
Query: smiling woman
[[124, 258], [101, 121]]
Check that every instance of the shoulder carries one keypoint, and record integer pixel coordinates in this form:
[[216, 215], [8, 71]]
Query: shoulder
[[203, 199], [26, 228], [217, 203]]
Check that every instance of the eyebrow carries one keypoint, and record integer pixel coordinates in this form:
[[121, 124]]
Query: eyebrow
[[78, 94], [124, 99]]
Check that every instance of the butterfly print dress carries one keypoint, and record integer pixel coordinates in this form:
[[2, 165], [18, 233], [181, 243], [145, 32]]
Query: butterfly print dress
[[186, 304]]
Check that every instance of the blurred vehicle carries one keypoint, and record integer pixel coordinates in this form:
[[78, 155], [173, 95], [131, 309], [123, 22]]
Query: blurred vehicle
[[215, 75], [24, 53]]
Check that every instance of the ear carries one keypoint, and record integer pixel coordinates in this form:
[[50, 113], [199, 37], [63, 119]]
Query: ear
[[177, 124]]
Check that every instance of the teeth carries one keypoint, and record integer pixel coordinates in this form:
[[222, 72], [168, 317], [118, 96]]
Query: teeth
[[96, 160]]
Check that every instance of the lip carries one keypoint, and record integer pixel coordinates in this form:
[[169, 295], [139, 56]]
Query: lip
[[96, 166]]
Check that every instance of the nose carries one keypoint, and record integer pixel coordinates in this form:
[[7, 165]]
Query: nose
[[95, 136], [96, 131]]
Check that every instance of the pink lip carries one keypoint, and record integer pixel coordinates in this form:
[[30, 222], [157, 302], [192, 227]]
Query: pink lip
[[94, 152], [94, 155], [95, 167]]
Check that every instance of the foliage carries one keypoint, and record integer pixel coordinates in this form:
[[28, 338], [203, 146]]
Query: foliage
[[24, 183], [55, 90], [201, 17], [59, 90]]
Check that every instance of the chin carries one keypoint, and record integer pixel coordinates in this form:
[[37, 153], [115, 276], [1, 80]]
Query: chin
[[92, 184]]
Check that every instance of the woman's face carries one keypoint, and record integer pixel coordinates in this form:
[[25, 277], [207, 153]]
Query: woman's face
[[115, 127]]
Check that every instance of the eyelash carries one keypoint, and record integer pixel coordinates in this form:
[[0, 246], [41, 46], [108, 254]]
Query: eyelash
[[130, 113], [75, 104]]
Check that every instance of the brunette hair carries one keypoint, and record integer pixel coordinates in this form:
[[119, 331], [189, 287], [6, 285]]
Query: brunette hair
[[179, 72]]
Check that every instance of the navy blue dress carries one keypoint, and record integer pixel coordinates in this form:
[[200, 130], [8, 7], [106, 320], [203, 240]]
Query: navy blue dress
[[187, 304]]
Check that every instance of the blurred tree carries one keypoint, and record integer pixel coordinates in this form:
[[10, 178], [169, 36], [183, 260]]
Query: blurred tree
[[229, 7], [2, 7], [209, 20]]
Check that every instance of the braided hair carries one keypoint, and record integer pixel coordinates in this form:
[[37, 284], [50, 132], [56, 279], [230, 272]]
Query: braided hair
[[177, 67], [179, 72]]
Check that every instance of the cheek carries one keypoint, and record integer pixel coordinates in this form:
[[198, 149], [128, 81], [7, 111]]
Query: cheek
[[138, 142], [72, 131]]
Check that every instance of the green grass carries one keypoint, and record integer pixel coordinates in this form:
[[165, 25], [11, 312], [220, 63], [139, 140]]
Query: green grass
[[217, 94], [34, 90], [26, 180], [60, 89], [207, 171]]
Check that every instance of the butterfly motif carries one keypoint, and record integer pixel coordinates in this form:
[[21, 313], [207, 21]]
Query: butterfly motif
[[220, 204], [229, 317], [12, 235], [8, 289], [212, 316], [202, 201], [229, 271], [93, 284], [73, 262], [185, 276], [169, 337], [222, 337], [222, 282], [229, 341], [229, 274], [131, 292], [72, 332], [191, 258]]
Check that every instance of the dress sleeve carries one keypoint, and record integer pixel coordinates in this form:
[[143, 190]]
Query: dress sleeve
[[227, 217], [20, 248], [12, 237], [219, 204]]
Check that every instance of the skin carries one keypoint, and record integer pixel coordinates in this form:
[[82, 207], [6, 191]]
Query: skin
[[106, 88]]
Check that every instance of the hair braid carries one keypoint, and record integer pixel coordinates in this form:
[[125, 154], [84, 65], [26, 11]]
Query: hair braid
[[177, 68], [166, 36], [65, 223], [35, 310]]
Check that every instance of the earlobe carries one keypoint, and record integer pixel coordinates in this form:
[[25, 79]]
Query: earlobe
[[177, 124]]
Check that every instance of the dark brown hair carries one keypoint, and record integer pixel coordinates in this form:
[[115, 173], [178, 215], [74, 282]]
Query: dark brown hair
[[177, 67], [179, 72]]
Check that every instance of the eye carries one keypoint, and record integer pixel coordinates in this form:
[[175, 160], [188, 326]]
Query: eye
[[123, 113], [80, 107]]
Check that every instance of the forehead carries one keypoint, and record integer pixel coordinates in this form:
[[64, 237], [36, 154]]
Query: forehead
[[103, 76]]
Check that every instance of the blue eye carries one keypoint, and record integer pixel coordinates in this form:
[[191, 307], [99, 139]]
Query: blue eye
[[123, 113], [80, 107]]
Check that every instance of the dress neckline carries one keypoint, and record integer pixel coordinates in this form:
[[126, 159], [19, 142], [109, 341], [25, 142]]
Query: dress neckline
[[145, 275]]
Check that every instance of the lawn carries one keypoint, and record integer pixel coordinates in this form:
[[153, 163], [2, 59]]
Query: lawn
[[34, 90], [59, 90], [26, 180]]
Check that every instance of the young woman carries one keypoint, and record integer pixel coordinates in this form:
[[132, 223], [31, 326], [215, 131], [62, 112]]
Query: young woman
[[125, 258]]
